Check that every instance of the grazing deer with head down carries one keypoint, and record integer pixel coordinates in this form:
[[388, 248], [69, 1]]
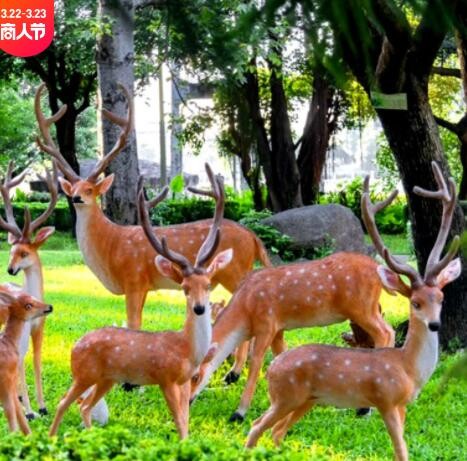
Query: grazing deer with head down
[[168, 359], [125, 246], [22, 308], [343, 286], [24, 255], [386, 378]]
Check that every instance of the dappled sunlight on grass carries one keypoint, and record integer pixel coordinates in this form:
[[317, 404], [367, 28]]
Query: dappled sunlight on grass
[[141, 427]]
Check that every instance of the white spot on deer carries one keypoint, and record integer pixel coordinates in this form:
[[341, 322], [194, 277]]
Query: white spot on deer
[[281, 297], [347, 277], [333, 287], [149, 347], [392, 380], [291, 380], [308, 299], [298, 363], [314, 356], [378, 380], [340, 376], [339, 267], [191, 242], [129, 242], [295, 282], [132, 343], [387, 366], [328, 364], [281, 283], [320, 287], [302, 271], [347, 362], [268, 279], [320, 376], [330, 277], [117, 349], [261, 294], [307, 383], [315, 274], [323, 266], [107, 338], [318, 301], [288, 273], [367, 368], [308, 283], [359, 380], [270, 311]]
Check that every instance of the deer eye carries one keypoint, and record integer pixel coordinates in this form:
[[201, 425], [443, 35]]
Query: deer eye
[[195, 379], [415, 305], [23, 254], [28, 306]]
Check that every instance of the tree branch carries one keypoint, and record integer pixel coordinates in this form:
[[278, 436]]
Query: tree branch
[[87, 93], [446, 71], [430, 34], [453, 127]]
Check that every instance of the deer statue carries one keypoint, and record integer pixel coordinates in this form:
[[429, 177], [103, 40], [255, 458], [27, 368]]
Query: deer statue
[[24, 255], [125, 246], [387, 378], [343, 286], [22, 308], [168, 359]]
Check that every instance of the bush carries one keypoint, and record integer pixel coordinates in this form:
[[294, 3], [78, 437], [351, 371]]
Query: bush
[[391, 220], [60, 217]]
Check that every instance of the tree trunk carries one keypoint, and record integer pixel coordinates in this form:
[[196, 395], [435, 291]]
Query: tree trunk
[[315, 140], [414, 139], [284, 165], [115, 60]]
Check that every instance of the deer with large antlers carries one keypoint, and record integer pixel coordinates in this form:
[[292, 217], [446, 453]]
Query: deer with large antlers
[[24, 255], [168, 359], [22, 308], [340, 287], [386, 378], [123, 261]]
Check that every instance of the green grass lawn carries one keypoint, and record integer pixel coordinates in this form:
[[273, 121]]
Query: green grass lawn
[[140, 426]]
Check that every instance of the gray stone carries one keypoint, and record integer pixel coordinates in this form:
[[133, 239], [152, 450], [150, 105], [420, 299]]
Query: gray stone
[[317, 225]]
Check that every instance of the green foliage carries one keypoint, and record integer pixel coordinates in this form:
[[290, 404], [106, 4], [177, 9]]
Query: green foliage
[[177, 185], [390, 220]]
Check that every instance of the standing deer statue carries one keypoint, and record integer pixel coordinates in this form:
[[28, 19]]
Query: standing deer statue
[[168, 359], [343, 286], [24, 255], [22, 308], [125, 246], [386, 378]]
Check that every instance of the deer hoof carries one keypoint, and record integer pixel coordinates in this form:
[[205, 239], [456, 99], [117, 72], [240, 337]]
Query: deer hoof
[[30, 416], [236, 418], [43, 411], [128, 387], [363, 412], [231, 377]]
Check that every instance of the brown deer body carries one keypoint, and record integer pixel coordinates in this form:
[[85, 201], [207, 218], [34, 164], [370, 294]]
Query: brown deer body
[[343, 286], [24, 255], [387, 378], [168, 359], [120, 256], [21, 308]]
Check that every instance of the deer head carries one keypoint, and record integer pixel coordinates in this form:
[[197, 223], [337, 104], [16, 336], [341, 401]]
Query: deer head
[[425, 292], [21, 305], [195, 279], [83, 192], [24, 244]]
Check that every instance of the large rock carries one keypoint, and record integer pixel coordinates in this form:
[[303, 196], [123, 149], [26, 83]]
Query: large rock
[[317, 225]]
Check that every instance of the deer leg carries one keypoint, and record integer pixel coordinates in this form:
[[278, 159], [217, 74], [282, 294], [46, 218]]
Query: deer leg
[[100, 389], [185, 390], [73, 393], [259, 350], [22, 421], [402, 411], [172, 397], [23, 386], [379, 330], [9, 407], [274, 414], [134, 308], [278, 344], [37, 335], [395, 428], [241, 355], [281, 427]]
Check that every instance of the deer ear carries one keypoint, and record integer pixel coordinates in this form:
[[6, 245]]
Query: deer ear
[[220, 261], [392, 282], [450, 273], [66, 186], [43, 234], [168, 269], [104, 184], [6, 299]]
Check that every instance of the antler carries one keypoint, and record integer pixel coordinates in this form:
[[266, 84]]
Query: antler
[[10, 224], [47, 144], [211, 243], [369, 210], [125, 124], [51, 180], [160, 245], [447, 194]]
